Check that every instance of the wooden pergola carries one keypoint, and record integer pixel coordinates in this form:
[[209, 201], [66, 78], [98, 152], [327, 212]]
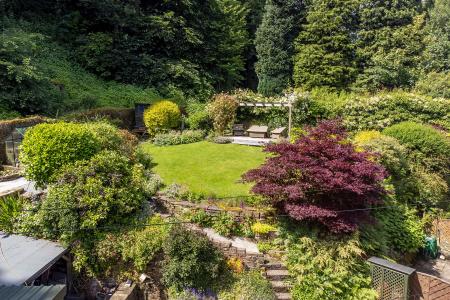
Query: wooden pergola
[[289, 103]]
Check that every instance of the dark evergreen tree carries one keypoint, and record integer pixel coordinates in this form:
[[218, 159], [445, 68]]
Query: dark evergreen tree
[[325, 47], [437, 41], [232, 42], [389, 42], [254, 17], [274, 44]]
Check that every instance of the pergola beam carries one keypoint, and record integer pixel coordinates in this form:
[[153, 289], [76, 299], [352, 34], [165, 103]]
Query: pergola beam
[[265, 104]]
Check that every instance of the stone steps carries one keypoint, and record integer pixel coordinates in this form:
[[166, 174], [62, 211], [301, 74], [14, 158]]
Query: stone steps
[[283, 296], [277, 274], [274, 266], [280, 286]]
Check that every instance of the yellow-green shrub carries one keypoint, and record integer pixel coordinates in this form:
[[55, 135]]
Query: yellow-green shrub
[[261, 228], [48, 147], [363, 137], [161, 116]]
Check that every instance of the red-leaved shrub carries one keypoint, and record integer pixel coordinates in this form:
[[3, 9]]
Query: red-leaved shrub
[[319, 177]]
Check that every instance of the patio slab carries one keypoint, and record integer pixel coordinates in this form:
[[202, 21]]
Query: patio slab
[[436, 267], [245, 140]]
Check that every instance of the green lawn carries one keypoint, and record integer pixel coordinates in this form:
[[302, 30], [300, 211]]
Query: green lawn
[[206, 167]]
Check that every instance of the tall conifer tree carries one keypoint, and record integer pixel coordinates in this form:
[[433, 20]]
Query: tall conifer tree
[[389, 42], [325, 48], [437, 52], [274, 44]]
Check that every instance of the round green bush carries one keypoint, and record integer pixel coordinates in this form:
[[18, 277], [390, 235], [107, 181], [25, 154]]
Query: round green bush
[[106, 133], [105, 190], [198, 117], [48, 147], [191, 261], [161, 116], [426, 143], [391, 153], [112, 138]]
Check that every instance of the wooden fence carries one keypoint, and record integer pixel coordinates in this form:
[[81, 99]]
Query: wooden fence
[[428, 287]]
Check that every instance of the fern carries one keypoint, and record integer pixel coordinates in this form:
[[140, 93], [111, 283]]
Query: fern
[[10, 209]]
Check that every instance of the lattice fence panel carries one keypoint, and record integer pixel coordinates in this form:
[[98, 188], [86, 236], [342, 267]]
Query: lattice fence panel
[[389, 284]]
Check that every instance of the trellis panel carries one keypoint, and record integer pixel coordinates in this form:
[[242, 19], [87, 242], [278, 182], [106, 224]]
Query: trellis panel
[[390, 280]]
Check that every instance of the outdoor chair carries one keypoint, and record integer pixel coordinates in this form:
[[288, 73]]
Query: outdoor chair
[[238, 130]]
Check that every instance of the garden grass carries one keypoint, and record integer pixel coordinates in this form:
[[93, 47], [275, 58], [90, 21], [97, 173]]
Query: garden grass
[[206, 167]]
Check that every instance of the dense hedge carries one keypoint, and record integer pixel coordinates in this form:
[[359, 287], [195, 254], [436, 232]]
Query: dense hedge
[[358, 111], [7, 126], [381, 111]]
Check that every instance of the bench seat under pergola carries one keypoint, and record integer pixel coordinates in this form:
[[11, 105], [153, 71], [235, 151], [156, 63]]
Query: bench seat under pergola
[[288, 104], [258, 131]]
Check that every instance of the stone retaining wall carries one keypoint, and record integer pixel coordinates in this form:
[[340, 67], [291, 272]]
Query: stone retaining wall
[[178, 207], [250, 260]]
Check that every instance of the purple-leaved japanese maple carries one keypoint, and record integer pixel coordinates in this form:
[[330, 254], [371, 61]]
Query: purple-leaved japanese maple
[[320, 176]]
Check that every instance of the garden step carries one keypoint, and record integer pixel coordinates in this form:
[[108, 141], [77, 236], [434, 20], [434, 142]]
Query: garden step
[[274, 266], [280, 286], [283, 296], [277, 274]]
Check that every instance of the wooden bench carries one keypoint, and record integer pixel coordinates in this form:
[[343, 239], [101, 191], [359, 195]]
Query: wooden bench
[[278, 133], [140, 131], [258, 131]]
